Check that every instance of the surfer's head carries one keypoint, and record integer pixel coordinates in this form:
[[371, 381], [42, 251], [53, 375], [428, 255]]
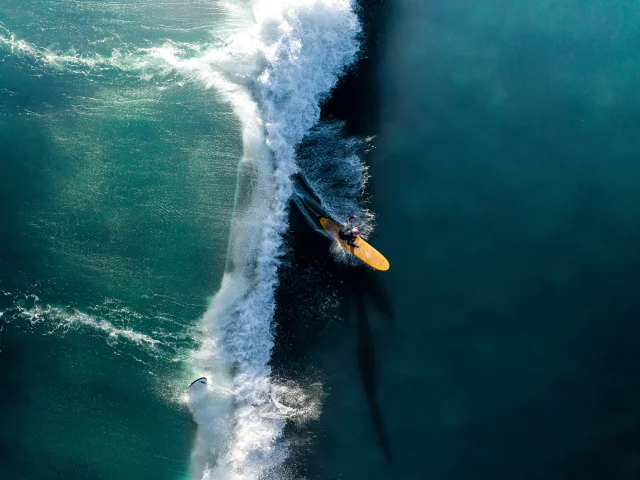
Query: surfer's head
[[355, 230]]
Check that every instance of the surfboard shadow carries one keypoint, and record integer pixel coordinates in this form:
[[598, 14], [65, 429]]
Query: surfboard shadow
[[364, 286], [367, 367], [376, 293], [362, 294]]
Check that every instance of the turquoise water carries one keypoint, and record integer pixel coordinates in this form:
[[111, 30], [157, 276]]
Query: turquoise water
[[117, 195], [148, 151], [115, 227]]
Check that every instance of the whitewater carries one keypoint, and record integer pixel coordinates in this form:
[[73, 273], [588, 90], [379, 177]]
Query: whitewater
[[278, 62], [275, 76]]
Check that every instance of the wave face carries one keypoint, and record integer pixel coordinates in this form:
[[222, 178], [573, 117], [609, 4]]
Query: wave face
[[289, 62]]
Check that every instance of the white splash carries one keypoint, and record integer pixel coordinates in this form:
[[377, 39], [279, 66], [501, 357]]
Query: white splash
[[275, 75]]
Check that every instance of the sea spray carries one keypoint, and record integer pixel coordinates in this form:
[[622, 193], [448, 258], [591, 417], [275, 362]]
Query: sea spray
[[334, 176], [275, 73], [298, 50]]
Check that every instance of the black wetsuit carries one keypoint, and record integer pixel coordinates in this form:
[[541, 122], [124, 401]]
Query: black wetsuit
[[347, 234]]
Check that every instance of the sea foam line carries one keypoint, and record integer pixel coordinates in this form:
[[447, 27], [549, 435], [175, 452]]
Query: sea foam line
[[275, 76], [111, 319], [64, 320]]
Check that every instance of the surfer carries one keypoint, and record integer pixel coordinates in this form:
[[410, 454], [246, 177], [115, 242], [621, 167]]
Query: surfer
[[347, 235], [349, 232]]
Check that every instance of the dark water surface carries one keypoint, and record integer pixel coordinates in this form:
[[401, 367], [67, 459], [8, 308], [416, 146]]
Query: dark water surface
[[504, 341]]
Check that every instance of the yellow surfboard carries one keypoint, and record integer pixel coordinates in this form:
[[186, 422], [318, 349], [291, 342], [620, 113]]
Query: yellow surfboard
[[364, 252]]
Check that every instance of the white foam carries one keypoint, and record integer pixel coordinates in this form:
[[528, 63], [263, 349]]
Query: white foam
[[70, 59], [112, 320], [288, 63], [62, 320]]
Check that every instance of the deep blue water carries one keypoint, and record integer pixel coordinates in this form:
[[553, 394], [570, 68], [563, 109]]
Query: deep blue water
[[137, 183], [503, 342]]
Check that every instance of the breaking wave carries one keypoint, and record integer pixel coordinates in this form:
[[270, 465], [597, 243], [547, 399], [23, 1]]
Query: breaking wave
[[276, 76]]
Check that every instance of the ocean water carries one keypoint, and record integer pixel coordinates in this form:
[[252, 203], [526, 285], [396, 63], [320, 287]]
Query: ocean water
[[115, 223], [503, 341], [162, 168]]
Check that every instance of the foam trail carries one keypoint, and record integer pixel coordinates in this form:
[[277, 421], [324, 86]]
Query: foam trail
[[292, 57], [87, 64], [118, 324], [61, 320]]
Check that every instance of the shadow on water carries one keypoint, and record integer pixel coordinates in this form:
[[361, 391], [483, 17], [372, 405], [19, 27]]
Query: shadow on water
[[307, 279], [367, 366], [364, 290], [370, 286]]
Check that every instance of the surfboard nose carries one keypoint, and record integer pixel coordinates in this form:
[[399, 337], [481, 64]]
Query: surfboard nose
[[197, 383]]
